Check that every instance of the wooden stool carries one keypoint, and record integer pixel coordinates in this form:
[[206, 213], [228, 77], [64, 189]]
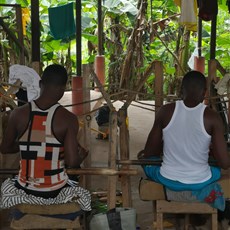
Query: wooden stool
[[151, 191], [39, 217], [173, 207]]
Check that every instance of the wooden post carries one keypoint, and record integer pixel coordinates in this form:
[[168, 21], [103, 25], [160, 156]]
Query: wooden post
[[112, 180], [199, 43], [37, 67], [20, 33], [211, 73], [100, 70], [100, 28], [77, 95], [87, 121], [158, 85], [124, 155], [78, 37], [199, 64], [213, 38], [100, 59], [35, 31]]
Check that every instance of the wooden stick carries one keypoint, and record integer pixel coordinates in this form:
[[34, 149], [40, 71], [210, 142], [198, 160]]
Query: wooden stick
[[103, 92], [86, 171], [150, 162], [139, 162], [102, 171]]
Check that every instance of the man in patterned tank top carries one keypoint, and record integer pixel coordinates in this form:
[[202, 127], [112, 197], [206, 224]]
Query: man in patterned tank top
[[45, 134]]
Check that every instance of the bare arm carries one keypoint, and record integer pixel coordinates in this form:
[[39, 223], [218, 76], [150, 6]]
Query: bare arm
[[219, 146], [74, 152], [154, 143], [10, 138]]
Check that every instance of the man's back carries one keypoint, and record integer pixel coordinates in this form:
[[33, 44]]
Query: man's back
[[42, 154], [186, 145], [47, 136], [183, 147]]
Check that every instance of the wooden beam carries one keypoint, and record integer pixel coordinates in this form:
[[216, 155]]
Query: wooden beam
[[199, 43], [100, 28], [78, 37], [213, 38], [35, 31], [102, 171], [85, 171]]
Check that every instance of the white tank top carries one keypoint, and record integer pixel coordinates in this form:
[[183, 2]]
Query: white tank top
[[186, 146]]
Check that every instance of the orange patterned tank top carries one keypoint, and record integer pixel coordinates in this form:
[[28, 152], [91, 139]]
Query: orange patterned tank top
[[42, 155]]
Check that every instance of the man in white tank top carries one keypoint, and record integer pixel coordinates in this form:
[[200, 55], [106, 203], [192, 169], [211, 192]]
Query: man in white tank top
[[186, 133]]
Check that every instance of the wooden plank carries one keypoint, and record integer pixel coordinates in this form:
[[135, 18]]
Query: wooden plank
[[184, 207], [43, 222]]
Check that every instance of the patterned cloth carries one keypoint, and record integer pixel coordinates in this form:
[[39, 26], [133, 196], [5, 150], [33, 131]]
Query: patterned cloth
[[211, 194], [11, 196]]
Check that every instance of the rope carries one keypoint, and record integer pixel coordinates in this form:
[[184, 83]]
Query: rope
[[137, 101]]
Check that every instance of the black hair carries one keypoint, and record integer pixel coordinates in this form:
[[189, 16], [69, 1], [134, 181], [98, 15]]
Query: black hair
[[54, 74], [194, 80]]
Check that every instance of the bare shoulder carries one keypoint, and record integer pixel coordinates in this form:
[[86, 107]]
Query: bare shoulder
[[164, 114], [65, 123], [212, 120], [20, 113], [211, 115], [62, 110], [65, 116], [167, 109]]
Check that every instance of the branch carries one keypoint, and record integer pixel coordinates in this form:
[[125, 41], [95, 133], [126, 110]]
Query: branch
[[174, 56]]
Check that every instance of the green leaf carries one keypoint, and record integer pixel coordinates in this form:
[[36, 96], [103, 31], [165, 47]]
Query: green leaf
[[170, 70], [129, 8], [109, 4], [90, 37]]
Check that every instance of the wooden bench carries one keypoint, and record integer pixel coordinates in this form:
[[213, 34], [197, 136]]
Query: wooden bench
[[151, 191], [43, 217]]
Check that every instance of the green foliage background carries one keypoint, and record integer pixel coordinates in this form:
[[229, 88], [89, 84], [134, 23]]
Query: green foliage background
[[124, 12]]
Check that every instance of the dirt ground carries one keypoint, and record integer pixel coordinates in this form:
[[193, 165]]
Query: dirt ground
[[140, 123]]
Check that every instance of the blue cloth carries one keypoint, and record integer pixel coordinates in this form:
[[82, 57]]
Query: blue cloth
[[211, 194], [209, 191], [153, 173]]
